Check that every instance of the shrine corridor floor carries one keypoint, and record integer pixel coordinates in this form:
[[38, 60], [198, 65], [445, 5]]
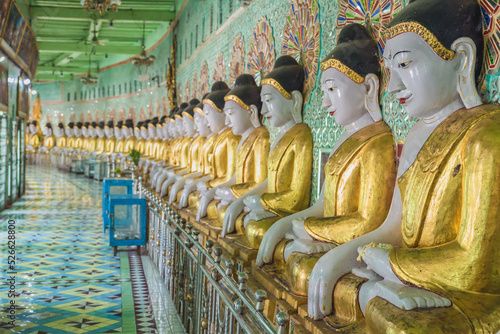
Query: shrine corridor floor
[[66, 279]]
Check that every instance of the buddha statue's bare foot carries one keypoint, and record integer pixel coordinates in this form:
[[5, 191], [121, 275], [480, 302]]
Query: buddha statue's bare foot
[[408, 298], [307, 247]]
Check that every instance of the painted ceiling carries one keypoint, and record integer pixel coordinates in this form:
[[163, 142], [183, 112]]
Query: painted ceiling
[[72, 40]]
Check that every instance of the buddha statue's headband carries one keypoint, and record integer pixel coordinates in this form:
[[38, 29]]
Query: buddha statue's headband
[[336, 64], [188, 115], [236, 99], [199, 111], [212, 104], [423, 32], [277, 85], [178, 116]]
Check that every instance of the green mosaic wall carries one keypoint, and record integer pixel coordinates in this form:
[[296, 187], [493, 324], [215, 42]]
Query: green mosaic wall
[[207, 28]]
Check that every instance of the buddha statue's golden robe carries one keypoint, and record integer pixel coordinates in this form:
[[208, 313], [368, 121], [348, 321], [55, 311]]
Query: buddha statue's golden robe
[[120, 145], [91, 144], [78, 142], [155, 149], [100, 146], [184, 154], [129, 145], [359, 184], [164, 150], [140, 146], [195, 154], [289, 171], [251, 169], [222, 161], [49, 142], [85, 143], [62, 142], [71, 142], [451, 229], [34, 141], [110, 145], [148, 148]]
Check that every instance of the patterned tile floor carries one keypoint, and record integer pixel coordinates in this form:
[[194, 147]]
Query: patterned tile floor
[[66, 277]]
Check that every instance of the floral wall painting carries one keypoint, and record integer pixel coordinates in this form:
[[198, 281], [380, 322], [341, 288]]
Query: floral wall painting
[[194, 86], [204, 87], [237, 63], [14, 27], [260, 58], [219, 69], [491, 31], [301, 39], [187, 92], [4, 88]]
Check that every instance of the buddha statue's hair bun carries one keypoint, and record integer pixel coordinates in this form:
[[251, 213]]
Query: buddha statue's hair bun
[[183, 105], [60, 125], [93, 124], [357, 50], [245, 80], [285, 61], [79, 125], [194, 102], [101, 125], [219, 85]]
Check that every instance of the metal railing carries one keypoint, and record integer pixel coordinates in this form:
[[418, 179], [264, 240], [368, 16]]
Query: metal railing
[[207, 294]]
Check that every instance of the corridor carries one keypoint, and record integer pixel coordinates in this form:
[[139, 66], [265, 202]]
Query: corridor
[[65, 277]]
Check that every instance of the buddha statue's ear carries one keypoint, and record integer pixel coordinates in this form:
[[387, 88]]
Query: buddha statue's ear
[[372, 85], [254, 116], [297, 100], [465, 49]]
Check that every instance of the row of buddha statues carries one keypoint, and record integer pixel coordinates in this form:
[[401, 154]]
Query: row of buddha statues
[[401, 247]]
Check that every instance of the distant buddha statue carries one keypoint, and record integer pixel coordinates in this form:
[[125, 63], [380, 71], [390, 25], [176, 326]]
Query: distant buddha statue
[[86, 137], [92, 141], [62, 138], [222, 157], [141, 134], [360, 172], [101, 140], [169, 134], [71, 138], [49, 141], [34, 138], [110, 139], [242, 108], [432, 266], [78, 138], [288, 185]]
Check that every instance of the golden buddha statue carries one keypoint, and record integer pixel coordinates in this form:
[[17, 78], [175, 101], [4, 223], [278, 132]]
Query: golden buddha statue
[[101, 139], [92, 140], [49, 141], [70, 145], [120, 139], [86, 136], [130, 138], [34, 140], [110, 139], [78, 146], [223, 155], [62, 138], [432, 266], [288, 184], [140, 144], [356, 197], [242, 108]]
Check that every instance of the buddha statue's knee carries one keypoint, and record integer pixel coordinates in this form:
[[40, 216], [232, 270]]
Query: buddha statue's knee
[[255, 230], [212, 211], [194, 199], [298, 269]]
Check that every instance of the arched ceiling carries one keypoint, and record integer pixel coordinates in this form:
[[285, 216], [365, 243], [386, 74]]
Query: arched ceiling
[[64, 32]]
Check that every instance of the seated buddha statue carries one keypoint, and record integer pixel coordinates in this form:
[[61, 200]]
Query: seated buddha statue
[[178, 145], [78, 138], [155, 145], [140, 132], [86, 136], [61, 140], [101, 140], [222, 158], [242, 108], [49, 141], [92, 140], [168, 128], [130, 140], [110, 139], [356, 196], [165, 139], [189, 149], [199, 164], [432, 266], [150, 141], [288, 185], [120, 140], [34, 138]]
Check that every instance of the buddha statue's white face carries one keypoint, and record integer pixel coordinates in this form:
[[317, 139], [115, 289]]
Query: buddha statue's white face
[[342, 98], [108, 131], [275, 107], [214, 118], [422, 81], [179, 127], [137, 132], [58, 131], [85, 131], [144, 132], [126, 131], [100, 132], [91, 131], [47, 131], [77, 131], [118, 132], [159, 130], [32, 128], [237, 118], [201, 124], [151, 131], [69, 131], [188, 126], [165, 129]]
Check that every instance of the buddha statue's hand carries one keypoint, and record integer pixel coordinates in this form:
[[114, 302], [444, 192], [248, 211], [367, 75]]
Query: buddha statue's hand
[[232, 212], [188, 189], [272, 238], [201, 186], [224, 194], [253, 203], [376, 257], [206, 198]]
